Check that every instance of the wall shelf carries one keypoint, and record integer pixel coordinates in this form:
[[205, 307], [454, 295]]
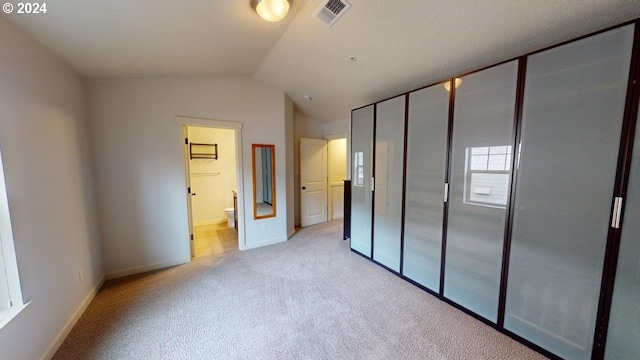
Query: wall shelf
[[203, 151]]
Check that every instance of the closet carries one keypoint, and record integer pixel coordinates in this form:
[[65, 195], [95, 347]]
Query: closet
[[387, 185], [479, 176], [362, 126], [624, 323], [572, 113], [512, 193], [425, 177]]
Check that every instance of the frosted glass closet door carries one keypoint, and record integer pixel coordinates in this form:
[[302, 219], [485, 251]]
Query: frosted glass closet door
[[479, 187], [572, 117], [623, 339], [361, 165], [426, 156], [389, 156]]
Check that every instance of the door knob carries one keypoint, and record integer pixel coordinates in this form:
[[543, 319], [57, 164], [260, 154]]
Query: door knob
[[193, 194], [304, 188]]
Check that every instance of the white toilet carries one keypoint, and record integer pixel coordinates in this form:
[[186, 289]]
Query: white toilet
[[230, 217]]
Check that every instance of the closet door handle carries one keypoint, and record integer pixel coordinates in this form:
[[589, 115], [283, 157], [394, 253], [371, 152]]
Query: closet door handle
[[617, 213], [304, 188], [193, 194]]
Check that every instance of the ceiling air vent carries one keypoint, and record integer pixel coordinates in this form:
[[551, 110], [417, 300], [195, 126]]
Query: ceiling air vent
[[331, 10]]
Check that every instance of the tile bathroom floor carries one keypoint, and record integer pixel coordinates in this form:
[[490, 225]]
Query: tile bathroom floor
[[214, 239]]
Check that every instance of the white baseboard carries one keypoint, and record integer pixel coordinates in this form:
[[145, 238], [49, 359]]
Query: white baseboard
[[337, 216], [62, 335], [209, 222], [264, 243], [290, 235], [145, 268]]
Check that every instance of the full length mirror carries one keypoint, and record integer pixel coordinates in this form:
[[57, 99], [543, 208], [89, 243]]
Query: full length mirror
[[264, 181]]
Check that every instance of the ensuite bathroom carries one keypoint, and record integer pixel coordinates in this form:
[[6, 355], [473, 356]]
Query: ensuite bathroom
[[212, 174]]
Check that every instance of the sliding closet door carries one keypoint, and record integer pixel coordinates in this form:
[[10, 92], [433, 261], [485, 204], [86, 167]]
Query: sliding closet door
[[389, 156], [426, 156], [479, 187], [362, 121], [623, 339], [572, 118]]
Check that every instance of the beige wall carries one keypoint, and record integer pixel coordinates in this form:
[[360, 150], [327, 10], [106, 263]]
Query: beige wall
[[305, 126], [341, 128], [338, 127], [337, 160], [140, 166], [337, 173], [47, 161]]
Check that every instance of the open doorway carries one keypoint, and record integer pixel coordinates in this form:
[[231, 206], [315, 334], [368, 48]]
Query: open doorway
[[337, 166], [214, 186]]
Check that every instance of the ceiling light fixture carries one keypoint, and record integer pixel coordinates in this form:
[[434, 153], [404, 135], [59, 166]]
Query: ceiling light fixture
[[447, 85], [271, 10]]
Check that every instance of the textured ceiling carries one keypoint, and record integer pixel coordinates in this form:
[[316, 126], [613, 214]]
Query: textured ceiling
[[147, 38], [402, 45], [398, 45]]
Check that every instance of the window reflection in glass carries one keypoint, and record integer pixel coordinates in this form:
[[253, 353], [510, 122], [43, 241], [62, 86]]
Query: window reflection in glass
[[487, 175], [359, 167]]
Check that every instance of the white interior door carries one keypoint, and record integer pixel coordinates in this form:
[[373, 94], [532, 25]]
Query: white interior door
[[313, 181], [189, 191]]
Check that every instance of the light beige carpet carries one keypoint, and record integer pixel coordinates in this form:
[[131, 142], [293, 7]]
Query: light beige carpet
[[308, 298]]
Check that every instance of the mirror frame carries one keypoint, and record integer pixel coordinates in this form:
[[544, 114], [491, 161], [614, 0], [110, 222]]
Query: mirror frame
[[272, 148]]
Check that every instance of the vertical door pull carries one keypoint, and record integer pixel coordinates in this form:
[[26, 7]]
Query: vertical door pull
[[617, 213], [446, 192], [373, 184]]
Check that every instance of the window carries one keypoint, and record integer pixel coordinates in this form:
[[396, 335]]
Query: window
[[10, 293], [358, 162], [487, 175]]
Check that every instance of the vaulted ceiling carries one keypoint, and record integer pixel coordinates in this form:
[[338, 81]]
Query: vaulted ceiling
[[398, 45]]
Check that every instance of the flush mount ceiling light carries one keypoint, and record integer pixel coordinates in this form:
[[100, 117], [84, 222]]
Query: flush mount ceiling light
[[271, 10], [447, 85]]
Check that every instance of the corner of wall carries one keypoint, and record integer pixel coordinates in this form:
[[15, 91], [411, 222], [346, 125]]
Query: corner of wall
[[289, 141]]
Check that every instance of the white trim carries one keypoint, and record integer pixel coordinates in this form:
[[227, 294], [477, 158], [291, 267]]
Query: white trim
[[11, 314], [265, 243], [210, 222], [66, 329], [145, 268], [290, 235], [186, 149], [189, 121]]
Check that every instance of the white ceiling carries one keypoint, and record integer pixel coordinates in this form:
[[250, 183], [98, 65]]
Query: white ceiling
[[399, 45], [149, 38]]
